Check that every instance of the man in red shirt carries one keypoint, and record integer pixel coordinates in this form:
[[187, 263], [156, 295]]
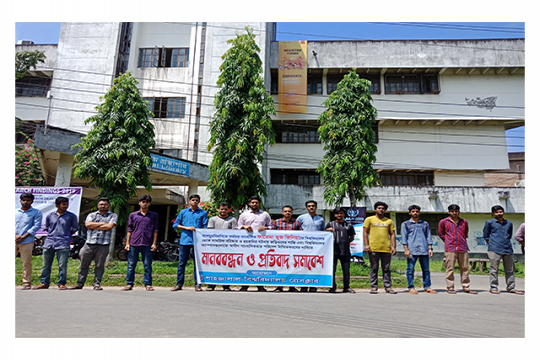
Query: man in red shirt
[[454, 231]]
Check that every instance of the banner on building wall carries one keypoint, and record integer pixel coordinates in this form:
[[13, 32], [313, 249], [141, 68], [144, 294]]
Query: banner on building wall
[[356, 216], [272, 257], [44, 200], [292, 77]]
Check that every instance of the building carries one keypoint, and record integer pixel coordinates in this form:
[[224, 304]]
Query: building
[[513, 176], [443, 110]]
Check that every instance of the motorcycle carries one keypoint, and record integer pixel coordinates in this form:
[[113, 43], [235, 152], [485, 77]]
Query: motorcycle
[[37, 250], [172, 252], [77, 242]]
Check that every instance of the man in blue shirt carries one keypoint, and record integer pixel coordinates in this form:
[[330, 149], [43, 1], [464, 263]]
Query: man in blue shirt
[[418, 246], [27, 223], [59, 225], [188, 220], [498, 234], [311, 222]]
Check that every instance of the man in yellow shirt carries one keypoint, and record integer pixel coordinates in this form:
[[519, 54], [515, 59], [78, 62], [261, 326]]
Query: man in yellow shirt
[[380, 244]]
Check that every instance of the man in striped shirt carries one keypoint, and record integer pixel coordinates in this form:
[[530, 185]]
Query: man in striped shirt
[[454, 231]]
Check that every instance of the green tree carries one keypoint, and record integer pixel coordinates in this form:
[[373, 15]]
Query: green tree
[[241, 125], [115, 154], [27, 170], [25, 60], [348, 138]]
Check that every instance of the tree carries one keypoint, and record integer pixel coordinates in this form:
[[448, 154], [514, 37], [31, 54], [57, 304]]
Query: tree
[[115, 154], [348, 138], [27, 170], [241, 125], [25, 60]]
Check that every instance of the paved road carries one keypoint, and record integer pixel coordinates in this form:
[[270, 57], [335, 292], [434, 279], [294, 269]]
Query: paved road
[[113, 313]]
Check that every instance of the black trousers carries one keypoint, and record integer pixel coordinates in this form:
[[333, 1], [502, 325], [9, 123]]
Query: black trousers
[[345, 261]]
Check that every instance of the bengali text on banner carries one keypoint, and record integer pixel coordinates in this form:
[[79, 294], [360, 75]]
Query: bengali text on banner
[[272, 257]]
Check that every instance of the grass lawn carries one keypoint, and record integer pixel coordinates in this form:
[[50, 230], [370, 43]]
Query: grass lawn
[[164, 273]]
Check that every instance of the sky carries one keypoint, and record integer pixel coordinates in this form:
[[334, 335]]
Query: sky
[[49, 33]]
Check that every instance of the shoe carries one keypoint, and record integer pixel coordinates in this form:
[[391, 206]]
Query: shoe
[[243, 288], [62, 287], [98, 287], [198, 288], [312, 289], [42, 286], [26, 287], [279, 289], [332, 290], [74, 287], [430, 291], [304, 289], [210, 288], [227, 289], [260, 288], [149, 288], [350, 291], [413, 291], [292, 289], [127, 288], [176, 288]]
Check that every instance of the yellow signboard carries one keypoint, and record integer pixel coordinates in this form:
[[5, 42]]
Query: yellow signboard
[[292, 74]]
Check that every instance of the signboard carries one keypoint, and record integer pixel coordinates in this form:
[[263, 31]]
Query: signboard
[[272, 257], [44, 200], [173, 165], [292, 77], [356, 216]]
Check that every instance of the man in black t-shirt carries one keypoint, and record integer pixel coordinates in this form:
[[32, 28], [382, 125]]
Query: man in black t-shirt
[[343, 236]]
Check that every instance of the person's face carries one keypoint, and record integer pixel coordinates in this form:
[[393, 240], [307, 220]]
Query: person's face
[[63, 206], [254, 205], [194, 202], [339, 216], [287, 213], [380, 210], [144, 204], [26, 203], [454, 214], [498, 214], [311, 208], [223, 212], [103, 206], [415, 213]]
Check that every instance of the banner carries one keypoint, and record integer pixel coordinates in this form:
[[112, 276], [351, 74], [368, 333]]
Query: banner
[[356, 216], [292, 77], [44, 198], [272, 257]]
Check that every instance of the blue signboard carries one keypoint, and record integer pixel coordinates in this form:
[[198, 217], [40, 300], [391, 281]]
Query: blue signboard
[[163, 163]]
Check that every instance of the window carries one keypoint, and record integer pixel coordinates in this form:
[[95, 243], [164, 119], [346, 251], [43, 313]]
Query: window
[[314, 84], [167, 107], [411, 84], [177, 153], [163, 57], [332, 81], [296, 133], [375, 79], [432, 219], [403, 178], [32, 86], [274, 83], [295, 177]]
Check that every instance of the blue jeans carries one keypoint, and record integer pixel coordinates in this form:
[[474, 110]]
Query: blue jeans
[[48, 257], [424, 264], [184, 251], [133, 258]]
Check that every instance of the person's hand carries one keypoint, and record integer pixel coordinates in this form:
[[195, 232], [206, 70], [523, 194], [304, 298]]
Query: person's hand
[[393, 251], [192, 228], [330, 229], [430, 252], [248, 228], [262, 228], [153, 247], [367, 248], [18, 239], [407, 254], [127, 247]]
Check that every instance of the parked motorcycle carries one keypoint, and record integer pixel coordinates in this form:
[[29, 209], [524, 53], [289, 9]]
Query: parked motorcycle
[[171, 251], [37, 250], [77, 242]]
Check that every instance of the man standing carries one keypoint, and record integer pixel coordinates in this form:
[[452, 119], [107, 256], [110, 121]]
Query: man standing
[[142, 231], [520, 237], [188, 220], [380, 244], [497, 234], [454, 231], [255, 218], [60, 224], [98, 238], [287, 222], [223, 221], [311, 222], [343, 236], [418, 245], [27, 224]]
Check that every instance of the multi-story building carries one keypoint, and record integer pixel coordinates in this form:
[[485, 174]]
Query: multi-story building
[[443, 110]]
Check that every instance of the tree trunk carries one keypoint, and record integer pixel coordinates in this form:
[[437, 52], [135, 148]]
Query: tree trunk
[[113, 239], [236, 213], [352, 198]]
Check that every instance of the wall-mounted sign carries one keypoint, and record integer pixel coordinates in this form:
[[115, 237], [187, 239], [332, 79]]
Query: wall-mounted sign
[[164, 163], [487, 103], [292, 77]]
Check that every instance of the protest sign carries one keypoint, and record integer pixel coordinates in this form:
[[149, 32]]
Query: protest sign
[[355, 216]]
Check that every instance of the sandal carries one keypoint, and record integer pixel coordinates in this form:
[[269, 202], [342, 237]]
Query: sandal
[[26, 287], [413, 291], [517, 292], [350, 291], [390, 291], [149, 288], [494, 291], [198, 288], [468, 291], [176, 288], [126, 288], [430, 291], [451, 291], [373, 291]]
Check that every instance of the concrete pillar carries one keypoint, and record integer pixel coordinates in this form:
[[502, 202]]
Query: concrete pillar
[[193, 188], [63, 173]]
